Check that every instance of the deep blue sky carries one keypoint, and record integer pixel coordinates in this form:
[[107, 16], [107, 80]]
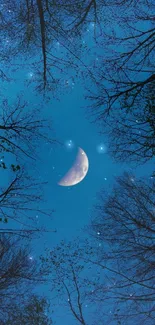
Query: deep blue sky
[[72, 205]]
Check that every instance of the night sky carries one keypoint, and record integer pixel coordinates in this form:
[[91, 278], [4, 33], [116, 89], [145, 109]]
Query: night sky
[[73, 205], [72, 126]]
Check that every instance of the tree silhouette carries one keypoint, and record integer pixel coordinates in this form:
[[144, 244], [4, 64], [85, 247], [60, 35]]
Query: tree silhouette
[[33, 311], [70, 281], [127, 64], [112, 272], [19, 273], [19, 205], [21, 130], [124, 223], [132, 134], [38, 29]]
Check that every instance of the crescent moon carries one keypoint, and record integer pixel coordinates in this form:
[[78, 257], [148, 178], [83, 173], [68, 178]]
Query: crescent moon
[[78, 171]]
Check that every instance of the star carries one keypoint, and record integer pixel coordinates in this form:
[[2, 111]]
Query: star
[[101, 148], [30, 75], [69, 144]]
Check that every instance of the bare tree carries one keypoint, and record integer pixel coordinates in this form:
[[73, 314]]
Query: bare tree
[[72, 281], [49, 34], [21, 128], [19, 273], [19, 205], [39, 27], [21, 131], [34, 310], [132, 134], [124, 224], [127, 64]]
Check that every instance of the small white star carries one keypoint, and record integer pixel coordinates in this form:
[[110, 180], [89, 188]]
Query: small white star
[[30, 74], [101, 148]]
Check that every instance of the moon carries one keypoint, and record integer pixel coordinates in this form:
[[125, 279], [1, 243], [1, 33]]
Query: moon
[[78, 171]]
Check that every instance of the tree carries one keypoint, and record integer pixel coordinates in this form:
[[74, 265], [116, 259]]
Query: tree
[[124, 223], [21, 128], [39, 28], [19, 202], [35, 310], [127, 65], [72, 281], [21, 131], [19, 274], [132, 134], [122, 96]]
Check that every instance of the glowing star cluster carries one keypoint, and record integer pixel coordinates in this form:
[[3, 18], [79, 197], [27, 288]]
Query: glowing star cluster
[[69, 144]]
